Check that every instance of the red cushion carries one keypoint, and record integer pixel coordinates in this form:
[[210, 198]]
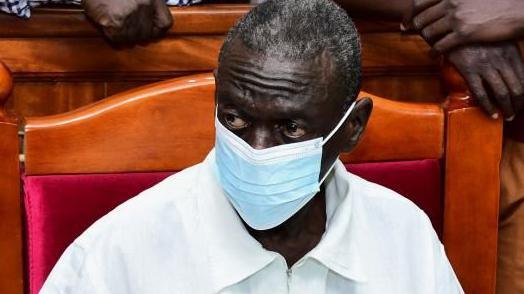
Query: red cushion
[[60, 207], [417, 180]]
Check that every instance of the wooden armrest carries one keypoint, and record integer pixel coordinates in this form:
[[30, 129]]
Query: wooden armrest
[[11, 276]]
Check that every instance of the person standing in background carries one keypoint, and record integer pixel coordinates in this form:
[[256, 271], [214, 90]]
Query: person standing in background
[[450, 24]]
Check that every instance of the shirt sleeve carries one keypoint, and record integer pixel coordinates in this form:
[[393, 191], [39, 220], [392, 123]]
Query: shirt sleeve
[[68, 276], [447, 282]]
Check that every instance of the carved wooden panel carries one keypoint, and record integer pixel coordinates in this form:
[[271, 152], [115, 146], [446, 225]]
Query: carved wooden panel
[[44, 98]]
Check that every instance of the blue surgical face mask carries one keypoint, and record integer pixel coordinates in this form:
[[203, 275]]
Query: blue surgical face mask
[[268, 186]]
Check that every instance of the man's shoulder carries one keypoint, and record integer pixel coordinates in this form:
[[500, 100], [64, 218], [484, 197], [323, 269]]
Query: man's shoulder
[[149, 238], [397, 232], [168, 203], [390, 231], [390, 210], [379, 196]]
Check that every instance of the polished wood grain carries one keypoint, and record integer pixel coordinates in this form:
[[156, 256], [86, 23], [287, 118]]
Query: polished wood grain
[[181, 54], [394, 66], [410, 87], [11, 274], [36, 99], [113, 88], [127, 132], [67, 22], [60, 46], [383, 142], [6, 87], [200, 19], [471, 186], [396, 53], [382, 53]]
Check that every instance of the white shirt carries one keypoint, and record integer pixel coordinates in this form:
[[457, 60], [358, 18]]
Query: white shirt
[[183, 236]]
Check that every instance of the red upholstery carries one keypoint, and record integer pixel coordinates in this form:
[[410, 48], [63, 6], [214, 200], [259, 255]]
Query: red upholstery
[[419, 181], [61, 207]]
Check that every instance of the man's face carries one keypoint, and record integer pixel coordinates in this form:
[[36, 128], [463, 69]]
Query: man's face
[[268, 101]]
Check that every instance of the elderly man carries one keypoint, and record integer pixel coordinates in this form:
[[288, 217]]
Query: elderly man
[[271, 209]]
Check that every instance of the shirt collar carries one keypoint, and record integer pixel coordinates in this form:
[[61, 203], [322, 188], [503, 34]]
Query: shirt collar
[[345, 240], [234, 255]]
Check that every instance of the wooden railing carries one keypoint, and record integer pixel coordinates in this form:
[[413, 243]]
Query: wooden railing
[[60, 61]]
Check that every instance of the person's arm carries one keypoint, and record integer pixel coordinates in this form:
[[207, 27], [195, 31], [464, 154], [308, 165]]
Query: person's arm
[[494, 74], [129, 21], [451, 23], [69, 275]]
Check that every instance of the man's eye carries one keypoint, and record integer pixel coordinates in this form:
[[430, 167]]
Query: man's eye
[[293, 130], [235, 122]]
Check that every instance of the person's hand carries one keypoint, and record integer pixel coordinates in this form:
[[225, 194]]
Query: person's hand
[[493, 71], [450, 23], [130, 21]]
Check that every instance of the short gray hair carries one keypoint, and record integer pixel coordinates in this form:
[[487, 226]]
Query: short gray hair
[[300, 30]]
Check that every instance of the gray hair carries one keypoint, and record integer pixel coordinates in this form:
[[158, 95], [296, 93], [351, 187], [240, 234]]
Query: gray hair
[[300, 30]]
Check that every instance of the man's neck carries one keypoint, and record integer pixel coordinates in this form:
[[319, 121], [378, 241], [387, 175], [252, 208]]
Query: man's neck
[[299, 234]]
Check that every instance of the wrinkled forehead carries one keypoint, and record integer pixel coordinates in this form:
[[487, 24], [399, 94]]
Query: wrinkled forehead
[[319, 68], [253, 77]]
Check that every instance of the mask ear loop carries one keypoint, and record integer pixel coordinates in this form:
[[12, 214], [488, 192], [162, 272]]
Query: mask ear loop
[[342, 120], [346, 115], [328, 172]]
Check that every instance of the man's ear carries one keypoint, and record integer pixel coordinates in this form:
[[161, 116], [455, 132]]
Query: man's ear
[[357, 123]]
